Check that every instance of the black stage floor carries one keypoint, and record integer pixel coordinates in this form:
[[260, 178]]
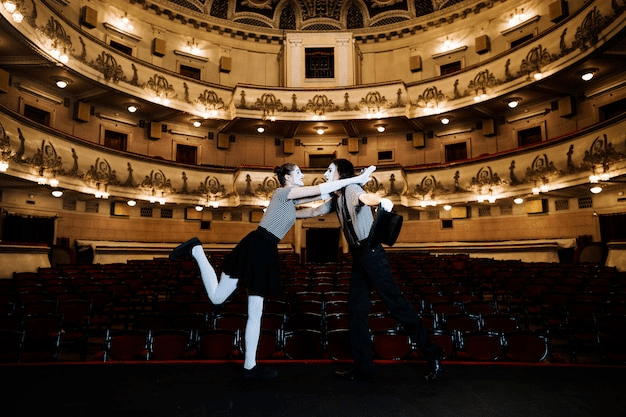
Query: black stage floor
[[302, 390]]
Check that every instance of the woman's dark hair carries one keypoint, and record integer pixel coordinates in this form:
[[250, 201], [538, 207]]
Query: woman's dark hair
[[283, 170], [345, 169]]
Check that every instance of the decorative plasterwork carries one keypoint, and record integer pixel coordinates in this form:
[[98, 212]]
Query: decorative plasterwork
[[96, 60], [33, 152]]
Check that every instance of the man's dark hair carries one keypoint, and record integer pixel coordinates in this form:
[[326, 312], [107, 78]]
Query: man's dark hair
[[345, 169]]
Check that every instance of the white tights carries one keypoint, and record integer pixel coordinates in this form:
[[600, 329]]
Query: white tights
[[218, 292]]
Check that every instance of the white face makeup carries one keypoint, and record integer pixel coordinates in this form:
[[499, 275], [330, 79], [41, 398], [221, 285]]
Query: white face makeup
[[296, 176], [331, 173]]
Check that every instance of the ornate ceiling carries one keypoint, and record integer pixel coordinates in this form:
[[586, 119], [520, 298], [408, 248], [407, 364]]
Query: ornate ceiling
[[315, 14]]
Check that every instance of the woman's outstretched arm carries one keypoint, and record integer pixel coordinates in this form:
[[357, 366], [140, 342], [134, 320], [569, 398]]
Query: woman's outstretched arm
[[326, 188]]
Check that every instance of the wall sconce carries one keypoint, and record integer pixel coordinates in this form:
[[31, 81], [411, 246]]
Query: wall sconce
[[380, 127], [125, 24], [101, 194], [481, 97], [62, 82], [320, 129], [61, 56], [193, 48], [513, 102], [450, 45], [15, 8], [518, 16], [588, 74]]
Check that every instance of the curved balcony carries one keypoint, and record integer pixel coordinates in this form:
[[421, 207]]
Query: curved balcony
[[533, 69], [56, 160]]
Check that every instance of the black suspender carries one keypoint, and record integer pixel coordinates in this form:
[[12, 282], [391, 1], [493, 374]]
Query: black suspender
[[347, 220]]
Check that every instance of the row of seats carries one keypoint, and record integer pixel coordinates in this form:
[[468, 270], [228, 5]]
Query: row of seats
[[455, 295]]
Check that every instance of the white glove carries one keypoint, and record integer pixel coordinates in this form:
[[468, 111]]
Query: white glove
[[386, 204], [365, 175]]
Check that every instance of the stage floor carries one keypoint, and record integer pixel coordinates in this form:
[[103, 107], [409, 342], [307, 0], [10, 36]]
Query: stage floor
[[209, 389]]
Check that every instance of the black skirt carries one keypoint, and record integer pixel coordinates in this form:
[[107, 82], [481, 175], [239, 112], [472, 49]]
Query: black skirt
[[254, 261]]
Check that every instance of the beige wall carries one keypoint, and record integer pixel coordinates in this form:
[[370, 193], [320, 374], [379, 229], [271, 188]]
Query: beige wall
[[80, 225]]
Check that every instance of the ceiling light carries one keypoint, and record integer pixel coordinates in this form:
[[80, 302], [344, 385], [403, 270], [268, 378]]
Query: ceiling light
[[596, 189], [513, 102], [380, 127], [518, 200], [57, 193], [197, 123], [4, 166], [199, 208], [588, 74], [133, 108], [444, 120], [131, 203], [320, 129], [447, 207], [260, 128], [62, 82]]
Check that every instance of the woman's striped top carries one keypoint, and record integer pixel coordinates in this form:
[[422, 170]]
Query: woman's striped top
[[280, 214]]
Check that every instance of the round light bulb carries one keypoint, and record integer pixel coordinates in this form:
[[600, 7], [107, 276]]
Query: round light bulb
[[587, 76]]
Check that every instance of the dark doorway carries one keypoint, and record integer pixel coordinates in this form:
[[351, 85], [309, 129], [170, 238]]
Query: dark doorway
[[186, 154], [529, 136], [321, 161], [456, 152], [115, 140], [612, 227], [27, 229], [322, 245], [37, 115]]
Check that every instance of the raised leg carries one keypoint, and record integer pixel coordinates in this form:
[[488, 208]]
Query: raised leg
[[218, 292]]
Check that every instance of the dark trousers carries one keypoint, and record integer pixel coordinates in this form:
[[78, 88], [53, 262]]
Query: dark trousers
[[370, 268]]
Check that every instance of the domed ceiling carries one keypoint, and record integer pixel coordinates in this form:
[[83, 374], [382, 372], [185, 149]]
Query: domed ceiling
[[315, 14]]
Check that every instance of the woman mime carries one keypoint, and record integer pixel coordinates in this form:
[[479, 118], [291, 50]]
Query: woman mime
[[254, 261]]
